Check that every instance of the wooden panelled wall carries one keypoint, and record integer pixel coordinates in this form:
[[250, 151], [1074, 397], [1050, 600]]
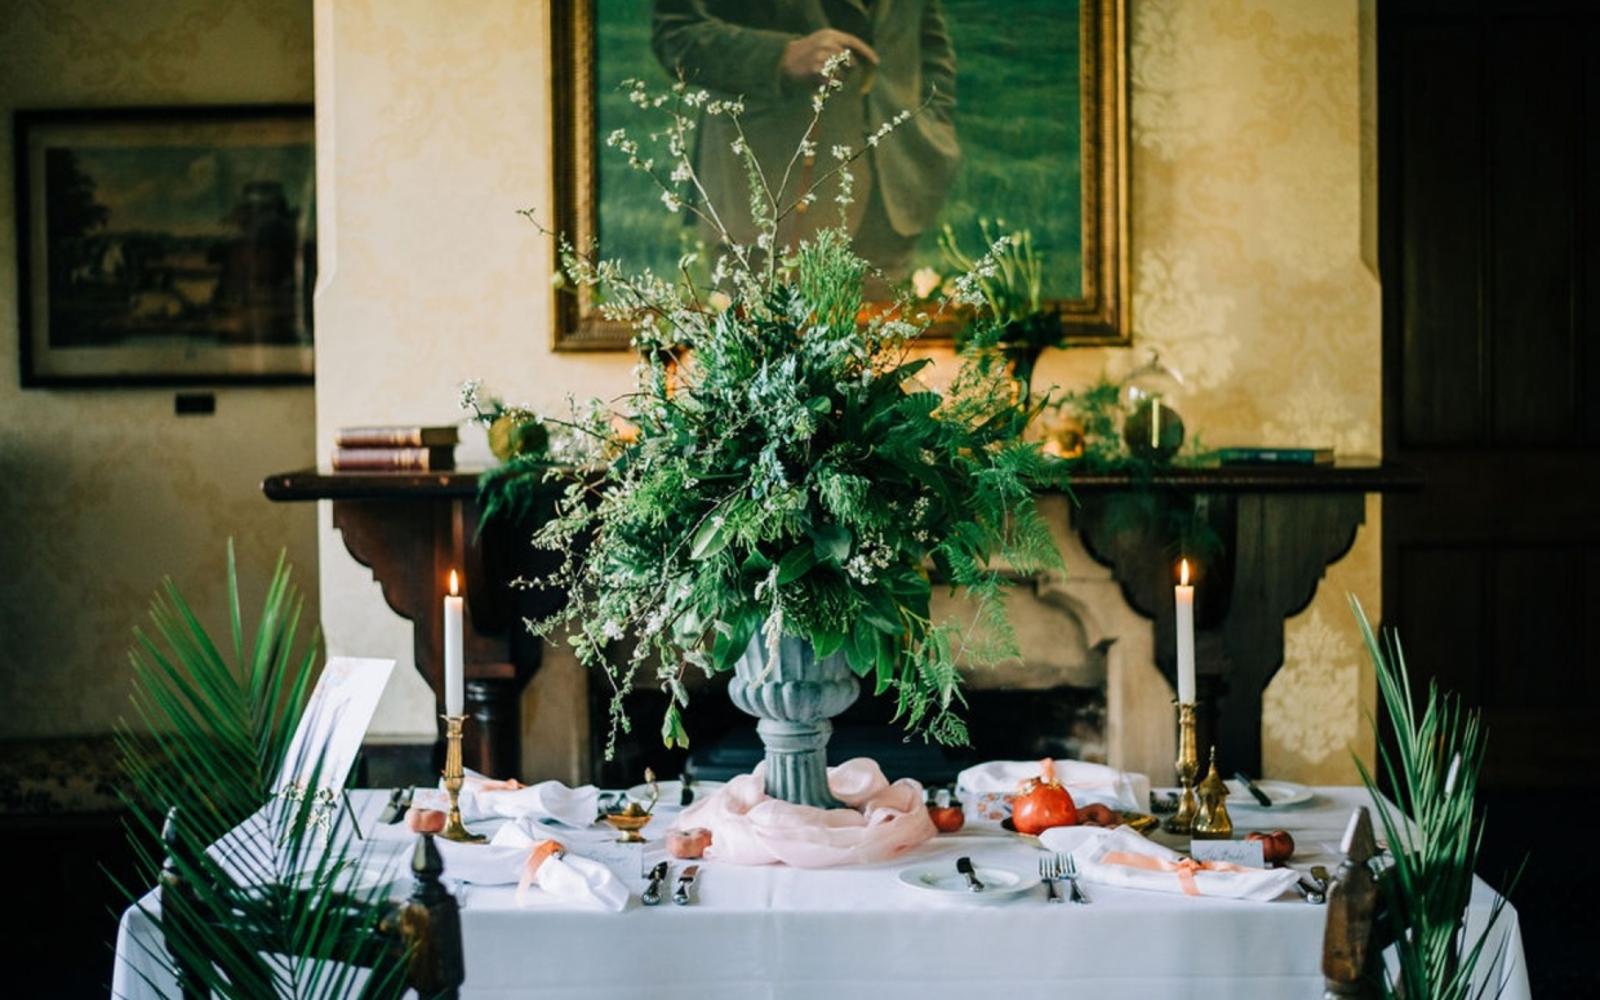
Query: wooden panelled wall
[[1489, 147]]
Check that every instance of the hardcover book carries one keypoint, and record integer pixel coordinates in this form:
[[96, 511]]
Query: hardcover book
[[1275, 456], [394, 459], [396, 437]]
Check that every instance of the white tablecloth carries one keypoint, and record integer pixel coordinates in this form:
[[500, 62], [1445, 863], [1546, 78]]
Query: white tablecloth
[[777, 933]]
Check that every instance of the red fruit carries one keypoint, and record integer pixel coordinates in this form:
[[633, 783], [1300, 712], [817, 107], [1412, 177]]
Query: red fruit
[[948, 819], [1042, 803], [1276, 847], [1096, 814]]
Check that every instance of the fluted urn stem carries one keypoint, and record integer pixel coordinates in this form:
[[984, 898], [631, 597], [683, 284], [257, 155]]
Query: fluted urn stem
[[794, 695]]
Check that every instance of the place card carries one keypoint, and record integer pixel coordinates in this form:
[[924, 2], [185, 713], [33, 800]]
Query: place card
[[626, 861], [1244, 853]]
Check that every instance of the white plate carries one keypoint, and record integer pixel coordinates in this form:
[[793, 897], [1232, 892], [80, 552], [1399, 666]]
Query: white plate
[[944, 880], [1282, 793], [671, 790]]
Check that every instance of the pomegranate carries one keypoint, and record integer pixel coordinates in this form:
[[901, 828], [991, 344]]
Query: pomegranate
[[1042, 803]]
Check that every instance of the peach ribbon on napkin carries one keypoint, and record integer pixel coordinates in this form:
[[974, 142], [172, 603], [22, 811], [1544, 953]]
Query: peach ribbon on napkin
[[516, 857], [748, 827], [1185, 867], [1123, 859]]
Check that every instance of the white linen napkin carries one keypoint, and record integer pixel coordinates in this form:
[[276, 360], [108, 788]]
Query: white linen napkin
[[1124, 791], [576, 807], [1124, 859], [504, 861]]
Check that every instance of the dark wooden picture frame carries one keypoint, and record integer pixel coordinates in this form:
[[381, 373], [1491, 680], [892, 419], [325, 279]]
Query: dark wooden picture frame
[[1100, 315], [165, 245]]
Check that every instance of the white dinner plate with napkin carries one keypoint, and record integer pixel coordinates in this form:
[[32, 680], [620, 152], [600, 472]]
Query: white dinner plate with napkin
[[1126, 860], [1124, 791], [481, 799], [559, 879]]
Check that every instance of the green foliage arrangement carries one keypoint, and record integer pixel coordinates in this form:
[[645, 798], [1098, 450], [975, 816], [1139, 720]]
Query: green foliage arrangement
[[263, 916], [790, 475], [1434, 829], [1013, 316]]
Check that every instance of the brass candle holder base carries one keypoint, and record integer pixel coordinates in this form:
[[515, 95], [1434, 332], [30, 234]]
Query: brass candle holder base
[[454, 829], [1188, 765]]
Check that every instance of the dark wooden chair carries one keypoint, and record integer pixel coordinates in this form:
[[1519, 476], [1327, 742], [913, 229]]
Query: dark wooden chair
[[422, 932]]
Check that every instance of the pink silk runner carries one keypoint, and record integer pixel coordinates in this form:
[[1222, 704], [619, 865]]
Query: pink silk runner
[[880, 820]]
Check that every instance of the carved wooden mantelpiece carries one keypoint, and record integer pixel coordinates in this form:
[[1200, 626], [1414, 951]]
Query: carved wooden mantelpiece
[[411, 530], [1278, 528]]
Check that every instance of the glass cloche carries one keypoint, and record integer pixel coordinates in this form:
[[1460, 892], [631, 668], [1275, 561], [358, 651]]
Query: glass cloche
[[1151, 427]]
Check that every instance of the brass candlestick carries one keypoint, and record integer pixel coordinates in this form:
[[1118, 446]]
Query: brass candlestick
[[1188, 765], [454, 829]]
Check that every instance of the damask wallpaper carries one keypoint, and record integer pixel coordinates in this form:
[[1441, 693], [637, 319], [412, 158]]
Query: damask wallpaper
[[1247, 196], [103, 492]]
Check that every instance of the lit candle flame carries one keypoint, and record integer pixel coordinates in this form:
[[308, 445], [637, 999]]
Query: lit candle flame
[[455, 584], [1183, 574]]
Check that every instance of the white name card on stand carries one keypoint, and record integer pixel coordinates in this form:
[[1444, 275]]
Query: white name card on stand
[[334, 723], [1244, 853]]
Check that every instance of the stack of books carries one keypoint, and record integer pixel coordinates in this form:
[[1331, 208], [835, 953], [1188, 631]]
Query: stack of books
[[395, 449]]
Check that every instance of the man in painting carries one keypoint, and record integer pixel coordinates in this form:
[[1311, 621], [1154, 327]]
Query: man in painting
[[771, 54]]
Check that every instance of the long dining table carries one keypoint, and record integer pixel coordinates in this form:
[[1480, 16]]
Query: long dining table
[[859, 933]]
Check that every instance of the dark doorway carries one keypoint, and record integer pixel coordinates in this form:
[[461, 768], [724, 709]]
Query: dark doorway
[[1489, 149]]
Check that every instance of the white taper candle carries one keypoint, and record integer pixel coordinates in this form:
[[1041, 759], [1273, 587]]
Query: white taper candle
[[1185, 598], [454, 671]]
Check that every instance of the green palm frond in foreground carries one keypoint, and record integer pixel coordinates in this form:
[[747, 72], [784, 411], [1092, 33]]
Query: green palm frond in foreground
[[267, 909], [1434, 830]]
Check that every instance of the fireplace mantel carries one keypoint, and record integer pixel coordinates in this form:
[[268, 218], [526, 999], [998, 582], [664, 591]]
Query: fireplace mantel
[[1280, 527]]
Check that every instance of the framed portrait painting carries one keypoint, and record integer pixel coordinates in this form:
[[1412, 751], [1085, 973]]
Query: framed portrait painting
[[1021, 127], [162, 246]]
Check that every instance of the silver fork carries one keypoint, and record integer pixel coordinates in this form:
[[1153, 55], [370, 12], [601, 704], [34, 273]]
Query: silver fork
[[1048, 874], [1070, 870]]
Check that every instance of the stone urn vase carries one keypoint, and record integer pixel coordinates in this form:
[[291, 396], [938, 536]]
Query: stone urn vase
[[794, 695]]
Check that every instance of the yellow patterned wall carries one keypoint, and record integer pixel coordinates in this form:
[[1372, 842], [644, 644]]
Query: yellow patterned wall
[[1247, 194], [104, 491]]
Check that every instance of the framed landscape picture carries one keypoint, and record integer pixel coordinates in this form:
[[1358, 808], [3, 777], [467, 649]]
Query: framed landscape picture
[[1024, 129], [165, 245]]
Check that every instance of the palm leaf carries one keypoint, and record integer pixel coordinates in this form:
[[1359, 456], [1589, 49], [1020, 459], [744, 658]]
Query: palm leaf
[[1434, 829], [263, 911]]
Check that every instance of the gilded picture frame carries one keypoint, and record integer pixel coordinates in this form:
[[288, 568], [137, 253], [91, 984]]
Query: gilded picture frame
[[1098, 314], [165, 245]]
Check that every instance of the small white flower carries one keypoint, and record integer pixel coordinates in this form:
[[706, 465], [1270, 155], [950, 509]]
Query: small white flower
[[612, 630], [925, 281]]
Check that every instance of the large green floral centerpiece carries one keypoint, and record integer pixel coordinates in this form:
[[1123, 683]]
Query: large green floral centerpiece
[[787, 492]]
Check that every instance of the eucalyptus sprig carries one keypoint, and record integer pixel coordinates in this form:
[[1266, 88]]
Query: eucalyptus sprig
[[789, 474]]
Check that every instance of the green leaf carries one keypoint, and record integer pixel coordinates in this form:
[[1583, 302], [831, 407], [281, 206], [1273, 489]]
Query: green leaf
[[885, 666], [731, 644], [796, 562], [712, 537], [832, 542], [672, 732], [881, 611], [819, 405], [827, 643], [861, 650]]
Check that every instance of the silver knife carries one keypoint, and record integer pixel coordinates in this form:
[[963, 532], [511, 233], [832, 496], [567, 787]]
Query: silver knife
[[652, 892], [399, 802], [964, 866], [680, 895], [1253, 789]]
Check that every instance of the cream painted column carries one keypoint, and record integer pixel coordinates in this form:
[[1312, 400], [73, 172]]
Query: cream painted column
[[432, 131]]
